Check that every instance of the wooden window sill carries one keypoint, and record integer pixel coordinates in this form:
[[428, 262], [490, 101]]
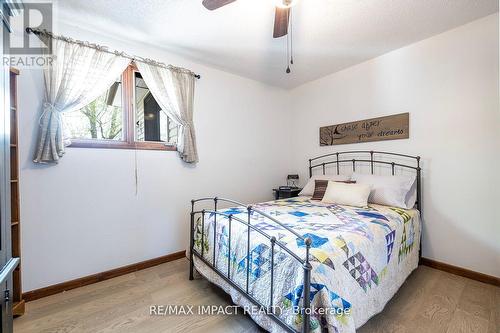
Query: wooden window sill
[[122, 145]]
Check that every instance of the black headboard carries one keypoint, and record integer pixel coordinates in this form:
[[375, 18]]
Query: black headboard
[[372, 158]]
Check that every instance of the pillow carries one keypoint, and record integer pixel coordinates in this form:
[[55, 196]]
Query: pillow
[[347, 194], [395, 191], [319, 189], [309, 188], [411, 197]]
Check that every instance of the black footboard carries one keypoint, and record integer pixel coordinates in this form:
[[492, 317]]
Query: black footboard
[[226, 276]]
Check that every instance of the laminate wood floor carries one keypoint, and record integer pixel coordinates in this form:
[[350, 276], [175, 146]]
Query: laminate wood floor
[[429, 301]]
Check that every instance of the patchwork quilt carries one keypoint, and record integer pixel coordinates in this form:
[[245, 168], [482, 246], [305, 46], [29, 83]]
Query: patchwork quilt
[[359, 256]]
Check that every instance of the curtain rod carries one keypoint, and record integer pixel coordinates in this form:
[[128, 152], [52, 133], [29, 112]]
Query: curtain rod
[[49, 34]]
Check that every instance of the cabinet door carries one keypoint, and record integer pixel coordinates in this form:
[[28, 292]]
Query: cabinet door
[[7, 263]]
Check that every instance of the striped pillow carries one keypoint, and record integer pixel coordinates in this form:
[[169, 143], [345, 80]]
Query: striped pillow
[[320, 186]]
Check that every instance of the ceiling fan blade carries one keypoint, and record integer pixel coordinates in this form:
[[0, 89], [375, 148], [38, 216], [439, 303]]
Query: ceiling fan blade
[[281, 19], [214, 4]]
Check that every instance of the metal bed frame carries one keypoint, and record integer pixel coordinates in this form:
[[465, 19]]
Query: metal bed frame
[[372, 161], [306, 265]]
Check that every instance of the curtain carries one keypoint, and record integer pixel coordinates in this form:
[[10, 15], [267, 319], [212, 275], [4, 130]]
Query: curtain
[[78, 74], [173, 89]]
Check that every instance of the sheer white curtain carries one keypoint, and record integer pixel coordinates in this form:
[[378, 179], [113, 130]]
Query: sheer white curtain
[[173, 89], [79, 73]]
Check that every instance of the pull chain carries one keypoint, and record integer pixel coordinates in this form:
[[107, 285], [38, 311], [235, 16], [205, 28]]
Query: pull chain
[[289, 45], [291, 38], [287, 53]]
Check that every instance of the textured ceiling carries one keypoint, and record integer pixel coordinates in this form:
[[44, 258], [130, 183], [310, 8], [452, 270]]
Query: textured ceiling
[[328, 35]]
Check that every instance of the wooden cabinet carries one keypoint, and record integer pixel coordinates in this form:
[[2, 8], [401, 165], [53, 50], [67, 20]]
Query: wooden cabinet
[[18, 302]]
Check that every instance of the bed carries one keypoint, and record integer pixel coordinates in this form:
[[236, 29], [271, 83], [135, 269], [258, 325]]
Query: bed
[[349, 260]]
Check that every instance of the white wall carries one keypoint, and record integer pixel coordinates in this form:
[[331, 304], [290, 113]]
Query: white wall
[[83, 215], [449, 84]]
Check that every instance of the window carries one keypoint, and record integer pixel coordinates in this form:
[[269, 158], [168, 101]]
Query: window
[[151, 122], [102, 119], [125, 116]]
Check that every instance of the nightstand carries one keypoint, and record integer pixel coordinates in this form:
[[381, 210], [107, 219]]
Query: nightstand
[[283, 194]]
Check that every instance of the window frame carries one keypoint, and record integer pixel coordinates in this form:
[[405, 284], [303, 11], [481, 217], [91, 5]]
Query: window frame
[[128, 137]]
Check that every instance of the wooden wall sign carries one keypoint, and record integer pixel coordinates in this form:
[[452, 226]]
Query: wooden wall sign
[[374, 129]]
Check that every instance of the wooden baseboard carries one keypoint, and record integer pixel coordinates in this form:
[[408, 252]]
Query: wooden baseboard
[[86, 280], [94, 278], [461, 271]]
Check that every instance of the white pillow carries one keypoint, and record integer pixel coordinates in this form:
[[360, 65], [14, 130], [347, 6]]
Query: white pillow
[[309, 188], [411, 197], [395, 191], [347, 194]]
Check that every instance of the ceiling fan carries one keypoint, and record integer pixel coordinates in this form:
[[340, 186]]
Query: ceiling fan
[[281, 19]]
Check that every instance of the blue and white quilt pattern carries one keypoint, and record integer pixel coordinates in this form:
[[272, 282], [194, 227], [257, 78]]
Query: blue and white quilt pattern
[[359, 257]]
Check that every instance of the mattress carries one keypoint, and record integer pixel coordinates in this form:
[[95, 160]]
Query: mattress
[[359, 256]]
